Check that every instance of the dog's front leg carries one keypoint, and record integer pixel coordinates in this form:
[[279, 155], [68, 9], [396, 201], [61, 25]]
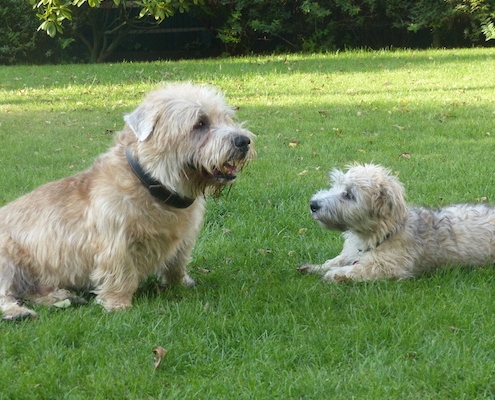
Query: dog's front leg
[[116, 281], [370, 268], [345, 273], [112, 298], [174, 270], [321, 269]]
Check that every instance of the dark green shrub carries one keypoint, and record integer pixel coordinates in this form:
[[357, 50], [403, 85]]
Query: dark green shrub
[[18, 35], [20, 40]]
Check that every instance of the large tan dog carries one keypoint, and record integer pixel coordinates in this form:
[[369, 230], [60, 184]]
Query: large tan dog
[[136, 212]]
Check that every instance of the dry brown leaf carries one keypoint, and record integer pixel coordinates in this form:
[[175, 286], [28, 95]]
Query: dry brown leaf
[[204, 270], [405, 155], [159, 353]]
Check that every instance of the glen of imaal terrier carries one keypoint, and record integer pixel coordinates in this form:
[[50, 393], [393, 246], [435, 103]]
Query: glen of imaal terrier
[[384, 238], [136, 212]]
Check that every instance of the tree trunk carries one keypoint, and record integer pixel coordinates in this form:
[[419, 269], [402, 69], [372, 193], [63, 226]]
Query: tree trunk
[[436, 38]]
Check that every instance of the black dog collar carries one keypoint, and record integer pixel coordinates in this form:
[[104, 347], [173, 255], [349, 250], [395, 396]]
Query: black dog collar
[[155, 188], [387, 236]]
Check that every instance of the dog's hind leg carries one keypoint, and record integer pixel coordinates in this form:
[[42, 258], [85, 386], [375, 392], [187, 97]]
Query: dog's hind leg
[[15, 281], [50, 297], [10, 289], [12, 310]]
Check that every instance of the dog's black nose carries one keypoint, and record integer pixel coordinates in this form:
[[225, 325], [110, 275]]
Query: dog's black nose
[[242, 142], [314, 205]]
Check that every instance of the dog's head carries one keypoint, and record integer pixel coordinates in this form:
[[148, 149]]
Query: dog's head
[[367, 200], [185, 137]]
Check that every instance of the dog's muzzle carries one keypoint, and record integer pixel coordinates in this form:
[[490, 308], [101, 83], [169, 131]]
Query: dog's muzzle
[[314, 206], [242, 142], [228, 171]]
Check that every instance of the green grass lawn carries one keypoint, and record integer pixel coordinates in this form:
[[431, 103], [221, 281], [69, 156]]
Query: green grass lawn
[[254, 328]]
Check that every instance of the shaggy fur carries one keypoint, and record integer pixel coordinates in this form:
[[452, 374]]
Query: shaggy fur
[[102, 230], [384, 238]]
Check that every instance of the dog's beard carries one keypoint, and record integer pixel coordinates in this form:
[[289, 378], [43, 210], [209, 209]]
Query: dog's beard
[[226, 174], [213, 174], [212, 181], [333, 225]]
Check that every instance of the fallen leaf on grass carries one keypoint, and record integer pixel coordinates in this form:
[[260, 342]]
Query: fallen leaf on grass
[[159, 353], [204, 270], [405, 155], [264, 251], [62, 304], [338, 132]]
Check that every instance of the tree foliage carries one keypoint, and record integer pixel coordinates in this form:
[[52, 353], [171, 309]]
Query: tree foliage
[[16, 31], [475, 16], [53, 13], [19, 40], [101, 25], [247, 26], [309, 25]]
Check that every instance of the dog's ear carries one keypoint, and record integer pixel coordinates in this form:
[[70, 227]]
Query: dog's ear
[[336, 176], [389, 200], [141, 123]]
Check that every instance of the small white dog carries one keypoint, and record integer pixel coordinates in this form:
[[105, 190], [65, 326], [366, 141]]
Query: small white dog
[[136, 212], [384, 238]]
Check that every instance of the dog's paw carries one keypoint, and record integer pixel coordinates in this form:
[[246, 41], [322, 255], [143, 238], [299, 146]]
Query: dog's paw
[[55, 296], [305, 269], [17, 313], [341, 274], [77, 301], [111, 305], [187, 281]]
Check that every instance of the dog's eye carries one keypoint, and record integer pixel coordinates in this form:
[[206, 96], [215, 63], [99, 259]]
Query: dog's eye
[[348, 195], [201, 124]]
